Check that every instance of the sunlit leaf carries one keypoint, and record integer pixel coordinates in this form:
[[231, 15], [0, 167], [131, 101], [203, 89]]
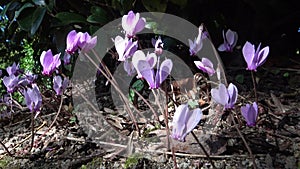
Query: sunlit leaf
[[39, 2]]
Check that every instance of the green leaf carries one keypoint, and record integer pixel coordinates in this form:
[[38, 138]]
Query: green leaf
[[138, 85], [98, 10], [26, 21], [97, 19], [286, 74], [26, 5], [155, 5], [181, 3], [192, 103], [18, 12], [37, 18], [66, 18]]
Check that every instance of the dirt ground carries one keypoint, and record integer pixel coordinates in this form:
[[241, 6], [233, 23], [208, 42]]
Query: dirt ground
[[275, 141]]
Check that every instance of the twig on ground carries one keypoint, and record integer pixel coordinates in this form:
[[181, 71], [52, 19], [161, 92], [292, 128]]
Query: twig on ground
[[202, 147]]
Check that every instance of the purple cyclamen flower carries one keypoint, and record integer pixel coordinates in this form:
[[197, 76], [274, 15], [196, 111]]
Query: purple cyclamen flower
[[0, 73], [230, 40], [49, 62], [67, 58], [11, 82], [206, 66], [29, 78], [60, 85], [80, 41], [86, 42], [158, 45], [184, 121], [72, 40], [146, 70], [129, 68], [33, 98], [254, 58], [13, 69], [125, 47], [250, 113], [132, 23], [139, 55], [226, 97], [198, 42]]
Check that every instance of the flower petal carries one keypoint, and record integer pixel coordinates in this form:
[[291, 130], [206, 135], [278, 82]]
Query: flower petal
[[179, 122], [249, 53], [233, 93], [220, 94], [262, 55], [147, 72], [230, 37], [164, 70], [192, 119]]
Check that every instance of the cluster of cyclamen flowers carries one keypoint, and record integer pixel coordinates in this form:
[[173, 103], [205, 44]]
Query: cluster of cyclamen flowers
[[135, 61], [17, 80], [185, 120], [146, 66], [23, 82]]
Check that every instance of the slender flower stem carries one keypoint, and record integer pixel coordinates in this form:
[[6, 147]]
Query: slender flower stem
[[203, 149], [32, 130], [254, 86], [166, 115], [113, 82], [245, 142], [174, 158]]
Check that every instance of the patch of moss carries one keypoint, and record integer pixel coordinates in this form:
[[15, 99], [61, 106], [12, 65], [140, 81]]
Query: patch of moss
[[132, 160]]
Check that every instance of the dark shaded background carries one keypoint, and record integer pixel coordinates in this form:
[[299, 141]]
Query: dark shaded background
[[273, 23]]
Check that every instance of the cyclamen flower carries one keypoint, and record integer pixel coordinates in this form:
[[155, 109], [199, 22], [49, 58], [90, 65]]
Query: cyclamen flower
[[250, 113], [206, 66], [132, 23], [230, 40], [254, 58], [184, 121], [33, 98], [146, 70], [226, 97], [11, 82], [67, 58], [158, 45], [13, 69], [80, 41], [196, 46], [29, 78], [49, 62], [60, 85], [139, 55], [125, 47], [86, 42]]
